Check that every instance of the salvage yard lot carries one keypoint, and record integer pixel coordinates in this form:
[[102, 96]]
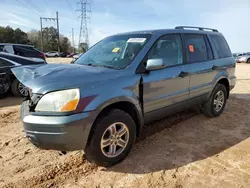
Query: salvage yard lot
[[184, 150]]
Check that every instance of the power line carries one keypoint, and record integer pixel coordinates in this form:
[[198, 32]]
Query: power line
[[84, 5], [34, 6], [70, 7], [27, 7]]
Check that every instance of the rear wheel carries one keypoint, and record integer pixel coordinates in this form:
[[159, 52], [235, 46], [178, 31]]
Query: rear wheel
[[112, 138], [18, 89], [216, 102], [248, 61]]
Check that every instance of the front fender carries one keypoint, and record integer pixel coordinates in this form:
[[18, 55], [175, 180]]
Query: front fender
[[125, 89]]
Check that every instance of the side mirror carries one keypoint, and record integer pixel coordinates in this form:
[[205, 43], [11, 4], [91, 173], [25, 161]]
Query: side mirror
[[155, 64]]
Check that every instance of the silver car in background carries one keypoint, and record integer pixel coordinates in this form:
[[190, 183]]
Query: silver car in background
[[52, 54], [243, 59]]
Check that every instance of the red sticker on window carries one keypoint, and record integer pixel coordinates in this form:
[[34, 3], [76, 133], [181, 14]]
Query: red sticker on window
[[191, 48]]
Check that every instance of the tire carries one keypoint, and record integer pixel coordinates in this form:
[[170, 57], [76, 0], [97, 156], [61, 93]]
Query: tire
[[4, 90], [56, 56], [94, 151], [209, 108], [248, 61], [15, 89]]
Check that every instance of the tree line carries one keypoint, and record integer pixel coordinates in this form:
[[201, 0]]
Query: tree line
[[33, 37]]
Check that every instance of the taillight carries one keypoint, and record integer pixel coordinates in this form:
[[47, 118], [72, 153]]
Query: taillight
[[42, 56]]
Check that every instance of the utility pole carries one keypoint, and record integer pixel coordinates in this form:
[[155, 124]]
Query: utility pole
[[73, 40], [41, 22], [58, 33], [84, 17], [58, 36]]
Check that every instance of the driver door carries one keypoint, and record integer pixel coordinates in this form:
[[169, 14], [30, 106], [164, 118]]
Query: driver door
[[166, 91]]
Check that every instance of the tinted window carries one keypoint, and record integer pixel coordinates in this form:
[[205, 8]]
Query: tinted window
[[4, 63], [1, 48], [221, 46], [209, 49], [196, 48], [168, 48]]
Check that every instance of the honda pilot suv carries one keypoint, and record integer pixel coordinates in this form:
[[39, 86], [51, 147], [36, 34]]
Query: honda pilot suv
[[101, 102]]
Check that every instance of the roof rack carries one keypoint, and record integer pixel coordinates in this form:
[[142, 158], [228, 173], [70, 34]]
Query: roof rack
[[200, 28]]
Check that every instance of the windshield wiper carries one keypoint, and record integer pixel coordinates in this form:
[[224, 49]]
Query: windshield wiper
[[99, 65]]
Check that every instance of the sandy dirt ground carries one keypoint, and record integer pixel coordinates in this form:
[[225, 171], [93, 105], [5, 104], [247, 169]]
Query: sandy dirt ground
[[184, 150]]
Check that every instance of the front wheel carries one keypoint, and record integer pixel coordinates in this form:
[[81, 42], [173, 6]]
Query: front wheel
[[216, 102], [248, 61], [112, 138]]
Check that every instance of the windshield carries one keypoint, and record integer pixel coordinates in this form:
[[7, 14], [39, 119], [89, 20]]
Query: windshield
[[115, 51]]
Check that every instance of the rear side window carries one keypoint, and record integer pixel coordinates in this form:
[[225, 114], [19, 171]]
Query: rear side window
[[4, 63], [221, 46], [196, 48]]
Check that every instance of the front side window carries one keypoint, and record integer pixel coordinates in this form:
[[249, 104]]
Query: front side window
[[196, 48], [114, 52], [221, 46], [169, 49]]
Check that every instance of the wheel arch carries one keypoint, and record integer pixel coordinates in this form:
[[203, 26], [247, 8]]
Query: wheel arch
[[134, 110]]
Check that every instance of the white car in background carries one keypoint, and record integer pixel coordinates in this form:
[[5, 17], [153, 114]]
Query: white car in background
[[75, 57], [52, 54], [243, 58]]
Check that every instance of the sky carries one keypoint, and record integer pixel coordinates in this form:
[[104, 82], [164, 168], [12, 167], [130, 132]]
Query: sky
[[107, 17]]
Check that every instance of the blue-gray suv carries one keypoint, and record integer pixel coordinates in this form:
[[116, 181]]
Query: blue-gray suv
[[101, 102]]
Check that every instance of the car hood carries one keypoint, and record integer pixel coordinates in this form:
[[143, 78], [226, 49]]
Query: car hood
[[52, 77]]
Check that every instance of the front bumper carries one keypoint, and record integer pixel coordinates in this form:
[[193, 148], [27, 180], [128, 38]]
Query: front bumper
[[64, 133]]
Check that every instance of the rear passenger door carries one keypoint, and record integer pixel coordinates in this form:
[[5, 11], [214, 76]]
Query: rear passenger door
[[201, 60]]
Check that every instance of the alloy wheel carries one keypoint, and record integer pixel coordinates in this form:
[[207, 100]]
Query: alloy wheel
[[114, 139], [23, 90], [219, 100]]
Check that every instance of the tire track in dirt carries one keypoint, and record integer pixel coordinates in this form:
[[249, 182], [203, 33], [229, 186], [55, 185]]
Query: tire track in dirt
[[74, 166]]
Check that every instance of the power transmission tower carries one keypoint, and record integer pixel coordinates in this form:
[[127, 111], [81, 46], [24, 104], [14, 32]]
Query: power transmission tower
[[84, 5], [57, 23]]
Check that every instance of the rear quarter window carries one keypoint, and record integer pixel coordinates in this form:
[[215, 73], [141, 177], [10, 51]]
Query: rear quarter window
[[221, 47]]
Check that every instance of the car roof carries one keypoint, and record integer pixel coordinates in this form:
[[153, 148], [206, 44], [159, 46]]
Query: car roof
[[6, 55], [12, 44], [178, 29]]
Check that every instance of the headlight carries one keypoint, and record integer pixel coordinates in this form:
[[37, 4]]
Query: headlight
[[59, 101]]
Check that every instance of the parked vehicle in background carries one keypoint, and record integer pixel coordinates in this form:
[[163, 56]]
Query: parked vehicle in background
[[52, 54], [244, 58], [21, 50], [75, 57], [7, 80], [64, 54], [71, 54], [101, 102]]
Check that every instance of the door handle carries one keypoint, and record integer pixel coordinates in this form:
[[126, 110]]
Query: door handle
[[215, 67], [218, 68], [183, 74]]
